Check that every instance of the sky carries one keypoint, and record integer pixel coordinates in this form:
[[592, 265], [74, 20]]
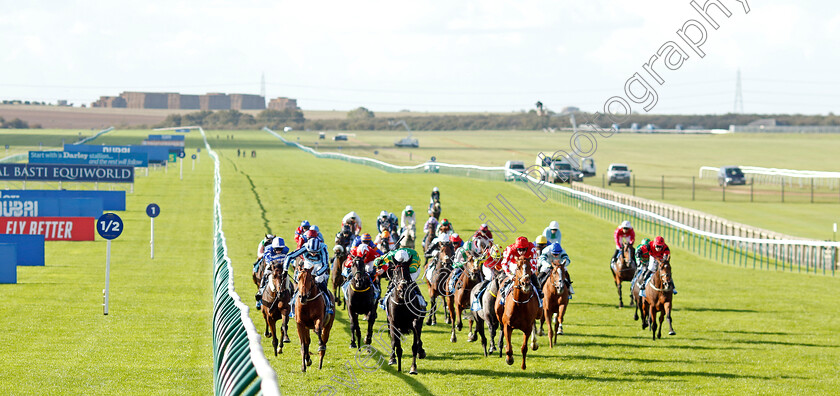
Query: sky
[[468, 56]]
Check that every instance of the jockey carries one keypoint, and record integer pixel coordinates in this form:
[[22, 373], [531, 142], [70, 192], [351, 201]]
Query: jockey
[[435, 198], [624, 233], [549, 255], [315, 255], [541, 241], [368, 255], [484, 233], [261, 246], [354, 221], [474, 248], [385, 236], [304, 226], [658, 252], [401, 256], [364, 239], [407, 219], [456, 240], [320, 235], [273, 256], [642, 256], [444, 237], [489, 268], [445, 227], [393, 223], [524, 249], [430, 227], [344, 237], [312, 233], [552, 232]]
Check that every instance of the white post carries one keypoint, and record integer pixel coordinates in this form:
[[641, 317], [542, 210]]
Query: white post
[[59, 184], [181, 169], [107, 274], [166, 167], [152, 242], [147, 170], [132, 188], [193, 164], [96, 186]]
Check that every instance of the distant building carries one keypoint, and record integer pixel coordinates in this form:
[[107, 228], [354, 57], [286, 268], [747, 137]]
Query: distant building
[[282, 104], [247, 102], [109, 101], [214, 101], [178, 101], [62, 102], [146, 100]]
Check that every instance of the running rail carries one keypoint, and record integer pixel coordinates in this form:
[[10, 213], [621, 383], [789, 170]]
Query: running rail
[[96, 135], [763, 253], [778, 175], [239, 364]]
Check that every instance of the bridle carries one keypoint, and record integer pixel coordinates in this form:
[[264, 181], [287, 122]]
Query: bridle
[[358, 261], [305, 298]]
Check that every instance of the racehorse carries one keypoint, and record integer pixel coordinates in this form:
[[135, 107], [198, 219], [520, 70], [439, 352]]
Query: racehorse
[[404, 315], [310, 313], [623, 271], [487, 314], [275, 306], [337, 279], [407, 237], [556, 301], [519, 311], [360, 300], [459, 299], [436, 210], [439, 278], [257, 276], [658, 294]]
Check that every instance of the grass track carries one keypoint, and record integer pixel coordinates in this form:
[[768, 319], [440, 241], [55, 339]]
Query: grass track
[[738, 330]]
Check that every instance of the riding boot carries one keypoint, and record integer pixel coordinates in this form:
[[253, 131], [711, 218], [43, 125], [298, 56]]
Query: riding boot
[[327, 301], [454, 278], [537, 288]]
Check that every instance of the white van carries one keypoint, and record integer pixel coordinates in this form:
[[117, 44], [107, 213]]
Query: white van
[[514, 166]]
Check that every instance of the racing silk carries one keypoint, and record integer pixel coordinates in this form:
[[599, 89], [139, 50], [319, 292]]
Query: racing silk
[[383, 224], [299, 238], [621, 236], [435, 197], [319, 262], [441, 238], [438, 230], [273, 259], [391, 241], [511, 255], [393, 222], [358, 241], [642, 253], [656, 256], [462, 255], [553, 236], [344, 240], [414, 259], [546, 258], [431, 225], [370, 255], [407, 221], [484, 235], [261, 248], [493, 263], [352, 216]]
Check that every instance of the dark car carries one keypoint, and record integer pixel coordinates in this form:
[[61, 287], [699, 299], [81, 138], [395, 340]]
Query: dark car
[[731, 176]]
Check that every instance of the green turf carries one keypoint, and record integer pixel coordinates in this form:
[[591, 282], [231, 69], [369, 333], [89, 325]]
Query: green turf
[[650, 157], [157, 338], [738, 330]]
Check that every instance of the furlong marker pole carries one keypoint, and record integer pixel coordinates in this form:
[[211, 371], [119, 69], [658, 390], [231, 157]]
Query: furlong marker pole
[[107, 273], [181, 166], [152, 241]]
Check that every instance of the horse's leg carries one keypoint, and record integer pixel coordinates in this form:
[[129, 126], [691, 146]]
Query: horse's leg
[[267, 326], [524, 348], [620, 299], [652, 318], [543, 317], [460, 320], [272, 323], [371, 321], [431, 312], [450, 307], [547, 317], [668, 313], [416, 346], [533, 335], [396, 346], [636, 307], [472, 336], [285, 329], [354, 324], [479, 328], [661, 319], [303, 334], [561, 313], [508, 347]]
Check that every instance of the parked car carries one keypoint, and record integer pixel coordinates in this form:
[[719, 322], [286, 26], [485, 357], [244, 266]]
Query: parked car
[[618, 173], [563, 172], [514, 166], [731, 176], [340, 136]]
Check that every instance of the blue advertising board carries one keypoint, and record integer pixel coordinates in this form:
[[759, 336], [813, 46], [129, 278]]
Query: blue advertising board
[[50, 207], [78, 158], [111, 200], [183, 130], [31, 248], [157, 154], [167, 137], [8, 263], [68, 173]]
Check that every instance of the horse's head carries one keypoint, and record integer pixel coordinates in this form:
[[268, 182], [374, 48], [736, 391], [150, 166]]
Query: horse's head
[[279, 277], [522, 277], [359, 275], [305, 280], [446, 253], [401, 278], [664, 270], [627, 250]]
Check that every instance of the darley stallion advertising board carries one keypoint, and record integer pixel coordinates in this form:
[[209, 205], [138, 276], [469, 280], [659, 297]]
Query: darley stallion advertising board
[[67, 173]]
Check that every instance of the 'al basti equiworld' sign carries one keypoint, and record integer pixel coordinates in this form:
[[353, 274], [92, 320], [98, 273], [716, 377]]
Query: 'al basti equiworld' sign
[[67, 173]]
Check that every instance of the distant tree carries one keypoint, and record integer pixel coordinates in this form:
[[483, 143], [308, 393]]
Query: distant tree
[[360, 113]]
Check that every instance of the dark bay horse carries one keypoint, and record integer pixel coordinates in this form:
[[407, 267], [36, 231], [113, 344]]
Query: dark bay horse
[[658, 295], [556, 301], [436, 210], [519, 311], [310, 313], [257, 276], [440, 276], [360, 301], [459, 300], [405, 315], [275, 306], [623, 271], [487, 314], [336, 278]]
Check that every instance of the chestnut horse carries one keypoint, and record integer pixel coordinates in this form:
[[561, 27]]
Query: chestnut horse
[[623, 271], [310, 313], [459, 300], [519, 311], [440, 276], [556, 301], [658, 295], [275, 306]]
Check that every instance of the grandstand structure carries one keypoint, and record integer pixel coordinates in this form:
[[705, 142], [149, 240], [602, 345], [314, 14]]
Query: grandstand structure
[[209, 101]]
